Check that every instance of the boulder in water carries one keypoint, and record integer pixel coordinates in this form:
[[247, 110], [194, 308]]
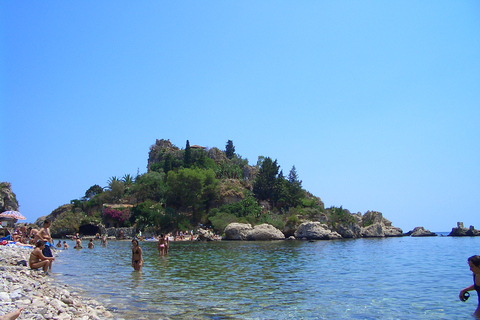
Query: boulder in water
[[265, 232], [314, 230]]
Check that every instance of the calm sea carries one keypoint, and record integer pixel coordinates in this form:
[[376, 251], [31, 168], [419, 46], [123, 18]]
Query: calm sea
[[391, 278]]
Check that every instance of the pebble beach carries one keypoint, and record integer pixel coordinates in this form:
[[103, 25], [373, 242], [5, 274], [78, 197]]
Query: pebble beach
[[40, 296]]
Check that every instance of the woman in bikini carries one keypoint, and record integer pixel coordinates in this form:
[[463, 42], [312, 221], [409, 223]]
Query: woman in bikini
[[38, 260], [162, 245], [137, 259]]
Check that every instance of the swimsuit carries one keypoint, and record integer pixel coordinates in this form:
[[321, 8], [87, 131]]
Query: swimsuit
[[477, 288], [47, 252]]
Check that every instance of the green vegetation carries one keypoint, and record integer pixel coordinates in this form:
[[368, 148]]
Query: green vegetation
[[340, 215], [186, 188], [229, 149], [67, 223]]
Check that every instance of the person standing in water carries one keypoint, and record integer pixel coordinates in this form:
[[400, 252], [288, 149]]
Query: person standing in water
[[474, 263], [162, 245], [104, 241], [78, 244], [137, 258]]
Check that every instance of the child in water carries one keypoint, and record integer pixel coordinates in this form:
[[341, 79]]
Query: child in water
[[137, 259], [65, 245], [90, 244]]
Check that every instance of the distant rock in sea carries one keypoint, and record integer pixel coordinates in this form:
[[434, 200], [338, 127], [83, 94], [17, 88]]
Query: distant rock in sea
[[460, 231], [420, 232]]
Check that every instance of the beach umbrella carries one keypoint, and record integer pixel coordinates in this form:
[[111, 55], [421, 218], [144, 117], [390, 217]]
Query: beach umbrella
[[12, 215]]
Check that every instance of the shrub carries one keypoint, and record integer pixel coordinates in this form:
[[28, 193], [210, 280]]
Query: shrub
[[340, 215], [121, 215], [273, 220], [95, 219], [293, 221], [220, 220], [247, 207], [309, 203]]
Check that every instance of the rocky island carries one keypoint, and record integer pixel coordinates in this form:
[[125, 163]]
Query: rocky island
[[199, 188]]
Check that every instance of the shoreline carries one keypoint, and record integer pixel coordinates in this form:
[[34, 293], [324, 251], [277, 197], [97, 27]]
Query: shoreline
[[40, 296]]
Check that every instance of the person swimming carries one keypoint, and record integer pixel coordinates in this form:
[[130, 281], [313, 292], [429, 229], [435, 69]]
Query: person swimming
[[137, 258]]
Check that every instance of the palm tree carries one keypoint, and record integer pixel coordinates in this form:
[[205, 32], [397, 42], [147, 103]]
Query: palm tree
[[111, 181], [128, 180]]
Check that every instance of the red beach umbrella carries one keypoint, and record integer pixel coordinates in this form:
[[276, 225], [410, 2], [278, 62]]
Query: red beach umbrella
[[12, 215]]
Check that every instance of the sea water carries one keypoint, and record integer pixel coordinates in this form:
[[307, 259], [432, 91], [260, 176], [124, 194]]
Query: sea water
[[378, 278]]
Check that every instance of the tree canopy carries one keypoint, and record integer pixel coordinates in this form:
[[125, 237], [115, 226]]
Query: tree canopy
[[182, 188]]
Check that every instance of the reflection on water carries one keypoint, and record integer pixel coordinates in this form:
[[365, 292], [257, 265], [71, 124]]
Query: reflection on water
[[391, 278]]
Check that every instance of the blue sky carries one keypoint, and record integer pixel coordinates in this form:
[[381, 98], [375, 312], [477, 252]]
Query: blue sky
[[376, 103]]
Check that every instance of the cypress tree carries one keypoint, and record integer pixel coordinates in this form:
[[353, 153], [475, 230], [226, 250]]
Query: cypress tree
[[295, 191], [229, 149], [168, 164], [265, 181], [187, 159]]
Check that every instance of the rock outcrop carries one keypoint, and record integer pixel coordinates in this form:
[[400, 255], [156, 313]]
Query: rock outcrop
[[120, 233], [265, 232], [460, 231], [372, 224], [420, 232], [245, 231], [160, 149], [351, 230], [52, 217], [237, 231], [314, 230], [205, 235], [8, 199], [231, 191], [375, 225]]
